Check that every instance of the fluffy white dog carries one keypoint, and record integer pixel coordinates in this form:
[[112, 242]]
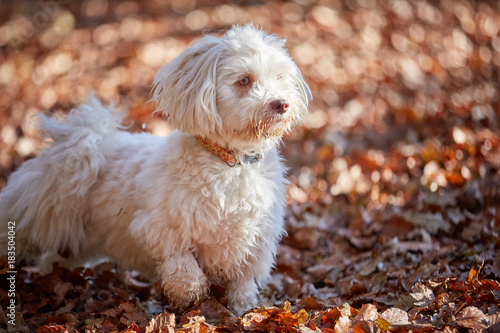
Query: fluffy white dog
[[202, 205]]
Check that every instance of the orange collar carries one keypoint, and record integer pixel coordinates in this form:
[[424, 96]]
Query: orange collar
[[226, 155]]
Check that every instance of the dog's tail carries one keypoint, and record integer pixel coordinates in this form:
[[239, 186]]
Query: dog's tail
[[46, 197]]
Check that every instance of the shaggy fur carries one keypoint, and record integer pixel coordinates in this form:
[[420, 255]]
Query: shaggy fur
[[165, 205]]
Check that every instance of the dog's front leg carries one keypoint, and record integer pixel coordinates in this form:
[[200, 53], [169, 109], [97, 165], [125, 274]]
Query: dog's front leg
[[183, 281], [242, 294]]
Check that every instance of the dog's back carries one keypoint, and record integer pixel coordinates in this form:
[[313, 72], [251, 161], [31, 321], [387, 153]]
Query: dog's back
[[55, 185]]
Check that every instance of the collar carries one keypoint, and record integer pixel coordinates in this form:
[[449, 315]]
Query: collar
[[227, 155]]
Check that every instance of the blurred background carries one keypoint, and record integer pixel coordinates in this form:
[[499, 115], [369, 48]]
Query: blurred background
[[403, 90], [395, 171]]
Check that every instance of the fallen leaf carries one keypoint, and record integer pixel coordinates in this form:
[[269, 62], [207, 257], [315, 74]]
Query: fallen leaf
[[311, 304], [164, 322], [395, 316], [51, 329], [368, 312], [342, 325], [252, 321], [472, 317], [422, 295]]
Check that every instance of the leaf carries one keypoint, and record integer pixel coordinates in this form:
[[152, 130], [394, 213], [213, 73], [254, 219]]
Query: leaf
[[342, 325], [61, 289], [495, 328], [252, 321], [51, 329], [346, 310], [460, 286], [432, 222], [422, 295], [310, 304], [197, 324], [214, 312], [368, 312], [395, 316], [133, 328], [162, 322], [111, 312], [364, 326], [301, 316], [472, 274], [287, 306], [490, 284], [472, 317], [94, 322], [383, 324], [187, 317], [331, 316]]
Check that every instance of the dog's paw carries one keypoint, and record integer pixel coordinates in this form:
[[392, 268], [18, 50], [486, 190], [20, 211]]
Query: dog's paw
[[242, 297], [240, 306], [185, 291]]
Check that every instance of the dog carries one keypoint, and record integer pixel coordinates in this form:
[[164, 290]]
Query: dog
[[204, 205]]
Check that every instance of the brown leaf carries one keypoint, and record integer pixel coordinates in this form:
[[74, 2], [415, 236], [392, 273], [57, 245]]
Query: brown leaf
[[490, 284], [495, 328], [363, 243], [161, 323], [93, 306], [368, 312], [292, 286], [127, 307], [111, 312], [136, 316], [395, 316], [364, 326], [495, 318], [252, 321], [422, 294], [310, 304], [214, 312], [472, 317], [61, 289], [305, 238], [51, 329], [331, 316], [187, 317], [343, 324], [197, 324]]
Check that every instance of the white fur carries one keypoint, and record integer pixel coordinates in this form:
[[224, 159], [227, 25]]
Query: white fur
[[167, 206]]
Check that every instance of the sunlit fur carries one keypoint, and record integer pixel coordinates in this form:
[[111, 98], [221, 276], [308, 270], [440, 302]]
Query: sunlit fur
[[199, 94], [165, 205]]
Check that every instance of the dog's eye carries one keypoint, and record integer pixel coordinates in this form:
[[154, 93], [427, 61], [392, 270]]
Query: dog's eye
[[280, 76], [244, 81]]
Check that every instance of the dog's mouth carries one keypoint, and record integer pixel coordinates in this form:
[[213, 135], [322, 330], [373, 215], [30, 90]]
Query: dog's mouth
[[272, 126]]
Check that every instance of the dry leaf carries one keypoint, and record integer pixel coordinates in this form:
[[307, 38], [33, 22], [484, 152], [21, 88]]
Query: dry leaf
[[422, 295], [368, 312], [164, 322], [51, 329], [252, 321], [472, 317], [395, 316], [343, 325]]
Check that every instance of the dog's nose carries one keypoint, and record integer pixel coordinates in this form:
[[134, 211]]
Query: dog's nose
[[279, 105]]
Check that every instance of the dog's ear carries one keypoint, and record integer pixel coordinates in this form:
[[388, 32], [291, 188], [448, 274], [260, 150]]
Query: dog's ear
[[305, 95], [185, 89]]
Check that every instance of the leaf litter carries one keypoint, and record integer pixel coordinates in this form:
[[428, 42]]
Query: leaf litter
[[394, 216]]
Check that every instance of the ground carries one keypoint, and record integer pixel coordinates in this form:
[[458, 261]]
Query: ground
[[394, 203]]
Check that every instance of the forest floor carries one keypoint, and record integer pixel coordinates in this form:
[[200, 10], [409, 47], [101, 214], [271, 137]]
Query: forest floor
[[394, 204]]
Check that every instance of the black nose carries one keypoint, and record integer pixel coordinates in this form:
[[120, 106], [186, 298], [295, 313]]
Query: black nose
[[279, 105]]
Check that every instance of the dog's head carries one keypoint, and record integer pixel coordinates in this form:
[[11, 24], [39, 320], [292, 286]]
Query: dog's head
[[241, 87]]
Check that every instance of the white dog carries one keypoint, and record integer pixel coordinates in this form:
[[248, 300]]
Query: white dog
[[203, 205]]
